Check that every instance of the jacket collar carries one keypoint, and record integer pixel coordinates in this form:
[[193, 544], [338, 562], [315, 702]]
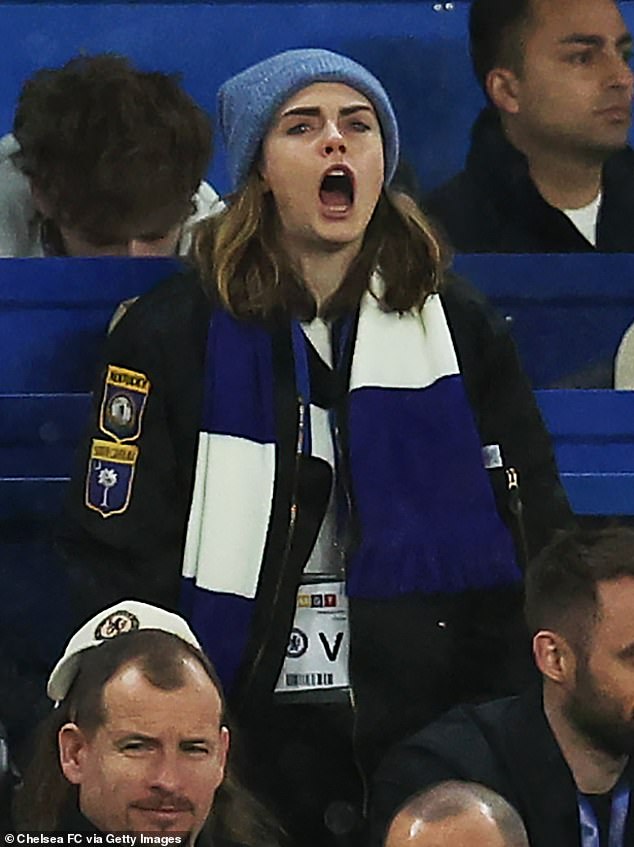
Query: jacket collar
[[492, 155], [74, 821], [502, 172], [545, 775]]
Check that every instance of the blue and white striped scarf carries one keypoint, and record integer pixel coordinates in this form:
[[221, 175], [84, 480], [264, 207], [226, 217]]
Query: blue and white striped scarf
[[425, 508]]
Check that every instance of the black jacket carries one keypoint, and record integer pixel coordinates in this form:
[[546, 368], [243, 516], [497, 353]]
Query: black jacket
[[74, 821], [138, 553], [493, 205], [506, 745]]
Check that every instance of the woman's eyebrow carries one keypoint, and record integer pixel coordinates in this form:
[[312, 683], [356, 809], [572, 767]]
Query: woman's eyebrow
[[314, 111], [305, 111], [350, 110]]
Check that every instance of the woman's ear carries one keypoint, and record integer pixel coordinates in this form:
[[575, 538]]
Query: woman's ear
[[39, 201], [264, 183]]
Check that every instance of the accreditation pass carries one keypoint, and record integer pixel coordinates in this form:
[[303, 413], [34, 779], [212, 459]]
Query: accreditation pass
[[319, 641]]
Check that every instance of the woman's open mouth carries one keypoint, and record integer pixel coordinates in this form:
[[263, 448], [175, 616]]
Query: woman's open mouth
[[337, 189]]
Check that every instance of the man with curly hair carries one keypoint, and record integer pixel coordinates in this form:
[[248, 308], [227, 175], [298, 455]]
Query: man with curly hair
[[104, 159]]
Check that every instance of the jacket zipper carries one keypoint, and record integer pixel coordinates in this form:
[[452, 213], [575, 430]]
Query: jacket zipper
[[289, 536], [345, 487], [516, 507]]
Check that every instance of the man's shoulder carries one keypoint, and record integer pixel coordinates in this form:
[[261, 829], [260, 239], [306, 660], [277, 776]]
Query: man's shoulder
[[618, 172], [205, 204], [623, 158], [462, 210], [207, 201], [458, 203], [467, 743], [446, 202], [17, 211], [482, 743], [465, 732], [464, 744], [445, 196], [166, 328]]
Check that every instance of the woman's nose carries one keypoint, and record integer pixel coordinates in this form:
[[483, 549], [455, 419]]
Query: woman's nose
[[333, 140]]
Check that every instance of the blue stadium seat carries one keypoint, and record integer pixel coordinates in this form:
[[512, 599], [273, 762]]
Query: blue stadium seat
[[567, 312], [53, 319], [593, 437]]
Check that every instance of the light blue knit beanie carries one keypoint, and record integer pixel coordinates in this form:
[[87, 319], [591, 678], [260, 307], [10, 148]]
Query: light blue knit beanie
[[248, 102]]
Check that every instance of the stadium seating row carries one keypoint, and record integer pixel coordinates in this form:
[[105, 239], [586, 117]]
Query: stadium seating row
[[568, 314], [418, 49]]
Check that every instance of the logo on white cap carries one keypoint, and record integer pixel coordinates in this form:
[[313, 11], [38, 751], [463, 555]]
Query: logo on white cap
[[126, 617], [116, 624]]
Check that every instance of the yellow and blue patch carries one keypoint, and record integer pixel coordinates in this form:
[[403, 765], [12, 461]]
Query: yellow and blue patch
[[110, 474], [112, 464], [123, 403]]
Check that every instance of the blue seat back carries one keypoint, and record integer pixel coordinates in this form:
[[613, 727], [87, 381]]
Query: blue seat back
[[593, 437], [53, 319], [567, 312]]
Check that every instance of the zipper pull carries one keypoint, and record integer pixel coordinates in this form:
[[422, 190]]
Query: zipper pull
[[301, 425], [516, 508], [513, 487]]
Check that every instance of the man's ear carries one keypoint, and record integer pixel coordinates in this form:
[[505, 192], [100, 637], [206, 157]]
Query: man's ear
[[553, 656], [225, 740], [71, 742], [502, 86]]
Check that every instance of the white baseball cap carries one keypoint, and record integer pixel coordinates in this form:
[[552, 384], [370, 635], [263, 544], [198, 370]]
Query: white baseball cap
[[126, 616]]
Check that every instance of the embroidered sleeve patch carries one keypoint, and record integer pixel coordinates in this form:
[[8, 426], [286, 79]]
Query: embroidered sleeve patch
[[123, 403], [109, 479]]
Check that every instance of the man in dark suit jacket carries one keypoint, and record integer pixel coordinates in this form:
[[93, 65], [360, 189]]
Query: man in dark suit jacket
[[561, 755]]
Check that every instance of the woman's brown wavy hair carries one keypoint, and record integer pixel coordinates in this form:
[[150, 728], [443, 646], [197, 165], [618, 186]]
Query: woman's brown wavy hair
[[244, 267]]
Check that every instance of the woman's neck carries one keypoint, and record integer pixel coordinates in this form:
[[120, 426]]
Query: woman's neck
[[323, 272]]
